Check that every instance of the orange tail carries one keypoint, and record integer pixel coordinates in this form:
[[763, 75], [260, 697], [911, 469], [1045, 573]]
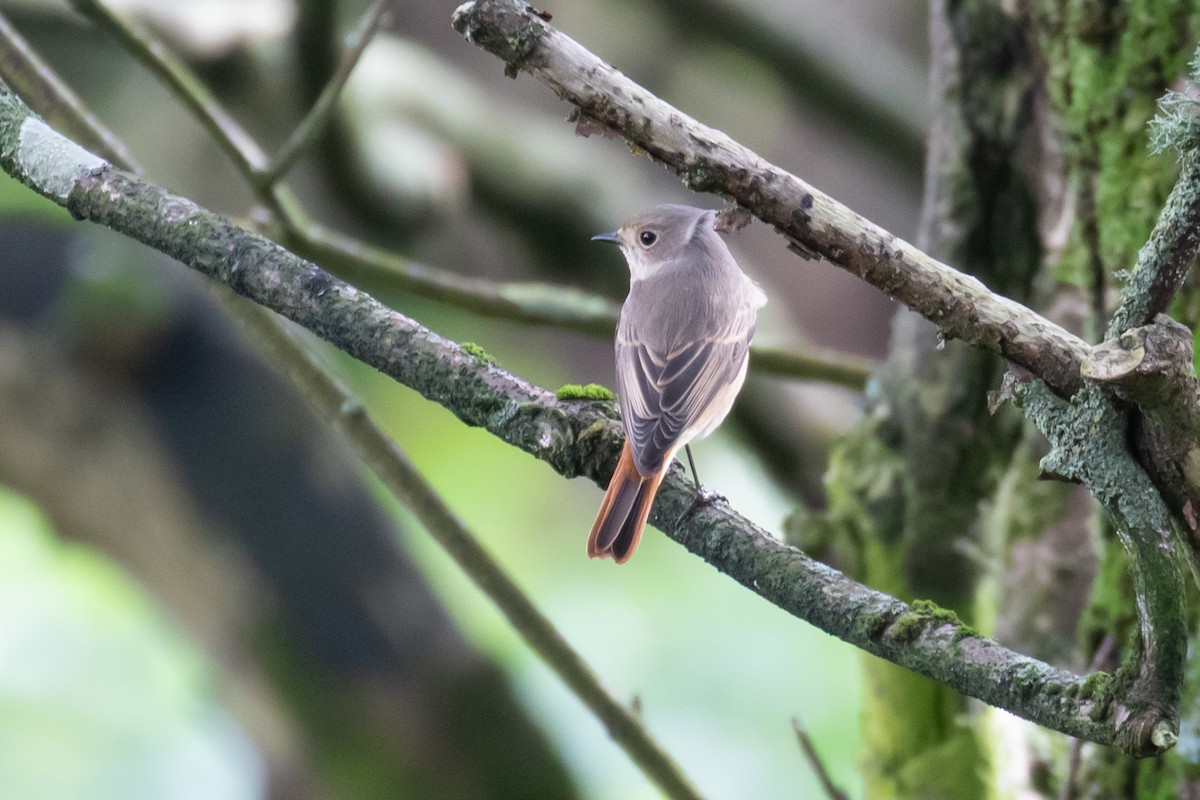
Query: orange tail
[[618, 526]]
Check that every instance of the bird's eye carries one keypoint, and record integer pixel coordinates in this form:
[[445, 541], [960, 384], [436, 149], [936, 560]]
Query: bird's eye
[[648, 238]]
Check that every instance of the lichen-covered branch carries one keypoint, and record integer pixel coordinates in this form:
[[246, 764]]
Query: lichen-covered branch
[[1163, 262], [1148, 357], [1087, 436], [1152, 367], [816, 224], [576, 437]]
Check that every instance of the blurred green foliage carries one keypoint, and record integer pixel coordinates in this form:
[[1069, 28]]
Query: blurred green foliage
[[101, 696]]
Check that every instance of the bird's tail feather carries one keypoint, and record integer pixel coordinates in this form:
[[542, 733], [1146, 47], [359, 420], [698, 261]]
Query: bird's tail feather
[[623, 514]]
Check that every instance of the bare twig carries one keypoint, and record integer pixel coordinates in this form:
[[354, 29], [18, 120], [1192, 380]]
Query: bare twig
[[832, 791], [183, 83], [334, 401], [816, 224], [318, 116], [40, 86]]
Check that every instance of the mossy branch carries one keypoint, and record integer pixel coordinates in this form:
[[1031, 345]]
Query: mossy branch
[[574, 436], [1087, 436], [1152, 368], [1148, 358]]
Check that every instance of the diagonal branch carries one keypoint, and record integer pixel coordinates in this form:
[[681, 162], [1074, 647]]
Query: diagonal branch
[[315, 120], [1148, 358], [708, 160], [575, 437], [32, 78], [1087, 437]]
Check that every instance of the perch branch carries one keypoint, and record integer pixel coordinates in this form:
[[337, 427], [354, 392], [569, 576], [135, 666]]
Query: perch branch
[[333, 400], [816, 224], [575, 437]]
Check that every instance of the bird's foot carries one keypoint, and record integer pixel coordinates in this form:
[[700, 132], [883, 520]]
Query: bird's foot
[[703, 498]]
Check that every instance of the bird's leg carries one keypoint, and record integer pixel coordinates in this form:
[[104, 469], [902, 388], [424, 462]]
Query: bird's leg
[[703, 496]]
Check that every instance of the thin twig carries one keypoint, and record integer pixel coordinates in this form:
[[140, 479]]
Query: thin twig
[[816, 224], [318, 116], [832, 791], [183, 83], [40, 86], [541, 303], [334, 401], [814, 363]]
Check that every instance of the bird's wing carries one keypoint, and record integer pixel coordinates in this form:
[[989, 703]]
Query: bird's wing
[[664, 393]]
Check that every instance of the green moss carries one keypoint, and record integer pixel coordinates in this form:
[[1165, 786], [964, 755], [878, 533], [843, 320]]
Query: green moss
[[876, 624], [596, 428], [925, 614], [478, 353], [1095, 686], [1107, 65], [591, 391], [935, 612], [908, 626]]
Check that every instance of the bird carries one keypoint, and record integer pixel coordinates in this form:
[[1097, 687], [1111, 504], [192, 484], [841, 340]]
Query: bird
[[682, 349]]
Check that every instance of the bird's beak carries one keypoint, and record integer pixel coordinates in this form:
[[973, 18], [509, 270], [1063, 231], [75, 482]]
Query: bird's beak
[[612, 236]]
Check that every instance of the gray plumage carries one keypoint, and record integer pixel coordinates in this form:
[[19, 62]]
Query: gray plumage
[[682, 347], [684, 334]]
